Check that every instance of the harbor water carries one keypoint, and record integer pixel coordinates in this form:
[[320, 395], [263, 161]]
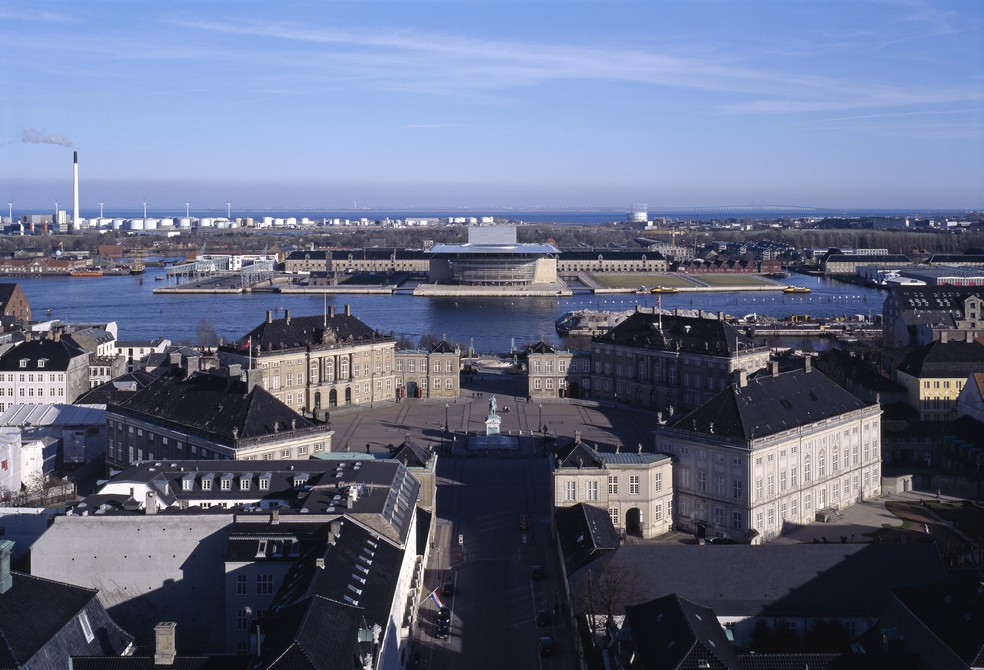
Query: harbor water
[[488, 324]]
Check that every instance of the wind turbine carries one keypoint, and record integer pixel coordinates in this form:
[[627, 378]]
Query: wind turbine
[[10, 210], [145, 207], [229, 209], [187, 208], [101, 203]]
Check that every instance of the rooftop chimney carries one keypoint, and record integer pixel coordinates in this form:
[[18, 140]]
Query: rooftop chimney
[[331, 311], [774, 366], [6, 580], [348, 310], [150, 506], [165, 647], [353, 493], [807, 363], [741, 378], [287, 316], [269, 316]]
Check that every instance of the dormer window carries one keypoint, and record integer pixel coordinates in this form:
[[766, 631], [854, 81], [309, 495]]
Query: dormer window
[[23, 362], [207, 483], [41, 362], [244, 484], [265, 481]]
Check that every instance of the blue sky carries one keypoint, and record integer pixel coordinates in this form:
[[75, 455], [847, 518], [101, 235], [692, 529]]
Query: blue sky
[[551, 103]]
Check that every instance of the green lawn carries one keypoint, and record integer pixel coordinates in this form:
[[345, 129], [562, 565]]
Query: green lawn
[[731, 280], [635, 280]]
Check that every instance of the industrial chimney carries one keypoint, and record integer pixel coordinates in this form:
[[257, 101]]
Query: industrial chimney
[[74, 227]]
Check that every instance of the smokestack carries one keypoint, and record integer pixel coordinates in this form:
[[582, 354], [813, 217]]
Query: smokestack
[[75, 182]]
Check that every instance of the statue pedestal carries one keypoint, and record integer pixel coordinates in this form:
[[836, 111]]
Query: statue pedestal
[[492, 422]]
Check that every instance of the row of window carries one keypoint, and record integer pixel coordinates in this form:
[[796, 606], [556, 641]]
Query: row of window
[[52, 392], [30, 378], [591, 490]]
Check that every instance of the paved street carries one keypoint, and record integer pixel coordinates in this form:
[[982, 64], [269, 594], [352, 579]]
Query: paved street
[[480, 501]]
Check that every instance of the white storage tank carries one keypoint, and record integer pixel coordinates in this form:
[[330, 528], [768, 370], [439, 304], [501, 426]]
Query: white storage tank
[[166, 222], [104, 223], [278, 222], [206, 222], [267, 221], [136, 224], [150, 224], [184, 222], [118, 224]]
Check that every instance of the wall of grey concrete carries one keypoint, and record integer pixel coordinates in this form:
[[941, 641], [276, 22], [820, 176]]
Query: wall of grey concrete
[[147, 569]]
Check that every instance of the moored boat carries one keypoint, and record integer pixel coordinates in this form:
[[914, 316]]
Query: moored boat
[[796, 289], [86, 272]]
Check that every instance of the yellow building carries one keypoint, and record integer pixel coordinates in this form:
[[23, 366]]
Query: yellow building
[[934, 375], [311, 363]]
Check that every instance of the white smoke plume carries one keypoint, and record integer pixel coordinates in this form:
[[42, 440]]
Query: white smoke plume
[[42, 136]]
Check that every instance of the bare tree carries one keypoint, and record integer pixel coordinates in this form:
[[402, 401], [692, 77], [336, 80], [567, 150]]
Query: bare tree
[[205, 335], [601, 593]]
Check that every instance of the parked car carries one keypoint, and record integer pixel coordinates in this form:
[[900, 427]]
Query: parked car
[[443, 622], [720, 540], [546, 645], [536, 572], [542, 618], [447, 589]]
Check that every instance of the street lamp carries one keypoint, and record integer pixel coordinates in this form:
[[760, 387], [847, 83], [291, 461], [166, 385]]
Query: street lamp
[[446, 417]]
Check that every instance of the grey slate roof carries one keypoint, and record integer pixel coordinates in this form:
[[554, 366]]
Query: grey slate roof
[[680, 333], [672, 633], [301, 331], [385, 504], [317, 615], [944, 359], [117, 389], [540, 347], [817, 580], [444, 347], [954, 612], [213, 406], [57, 355], [770, 404], [577, 454], [38, 616], [608, 255], [585, 533], [411, 454]]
